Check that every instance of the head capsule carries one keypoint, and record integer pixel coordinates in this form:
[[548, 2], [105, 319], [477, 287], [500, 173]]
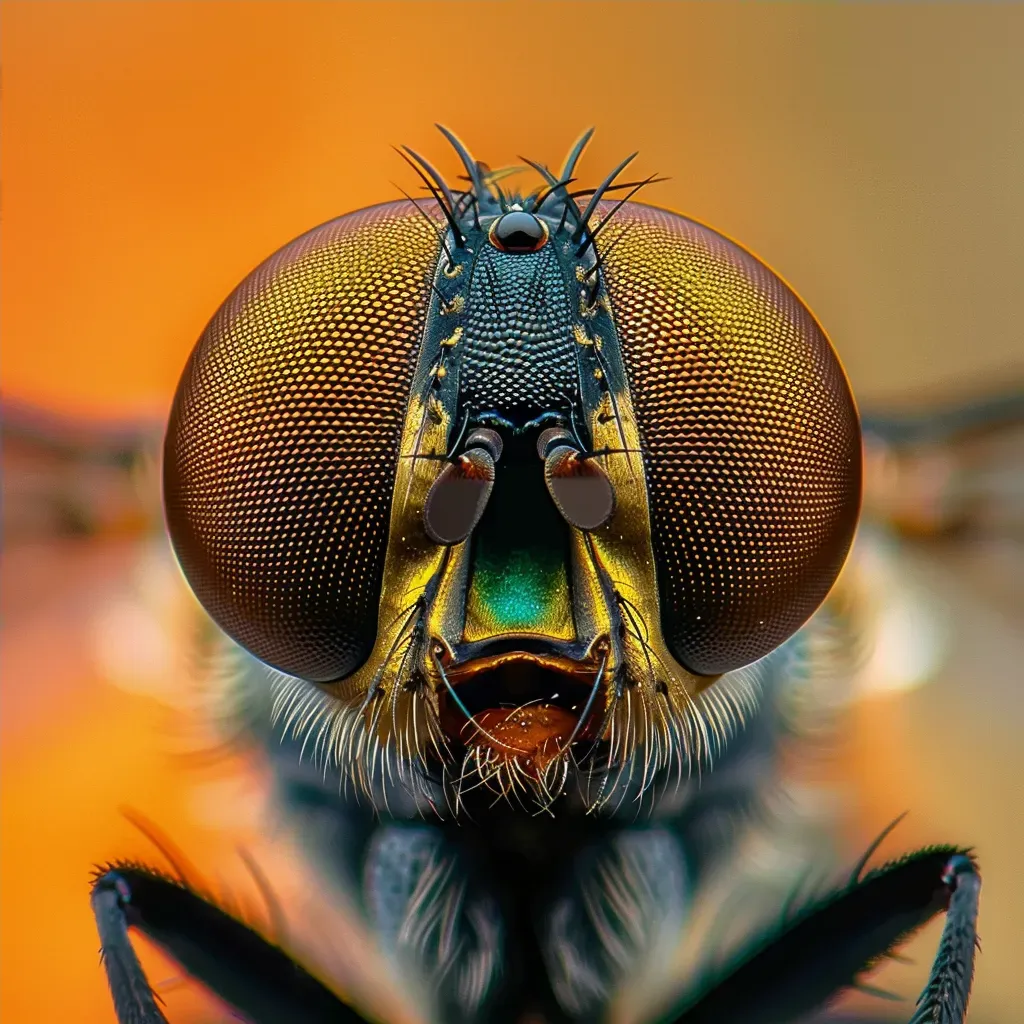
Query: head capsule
[[507, 474]]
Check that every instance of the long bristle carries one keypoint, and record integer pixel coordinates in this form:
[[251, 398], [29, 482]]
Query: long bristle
[[446, 208], [472, 168], [598, 195], [576, 152]]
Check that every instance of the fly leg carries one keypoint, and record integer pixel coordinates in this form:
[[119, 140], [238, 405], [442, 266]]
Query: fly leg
[[944, 1000], [259, 980], [781, 977]]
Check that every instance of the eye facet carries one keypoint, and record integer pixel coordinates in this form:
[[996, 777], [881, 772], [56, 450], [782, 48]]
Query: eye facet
[[519, 231]]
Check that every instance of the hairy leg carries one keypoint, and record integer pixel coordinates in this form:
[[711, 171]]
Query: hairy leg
[[260, 980], [783, 976]]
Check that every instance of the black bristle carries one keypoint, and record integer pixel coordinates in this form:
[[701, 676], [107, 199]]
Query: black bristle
[[579, 193], [472, 167], [576, 152], [543, 195], [596, 197], [433, 224], [602, 255], [437, 179], [592, 235], [449, 215]]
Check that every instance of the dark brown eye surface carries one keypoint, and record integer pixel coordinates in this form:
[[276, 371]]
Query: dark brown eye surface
[[518, 231], [283, 441], [750, 437]]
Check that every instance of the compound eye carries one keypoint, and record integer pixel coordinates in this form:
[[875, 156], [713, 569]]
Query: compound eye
[[519, 231], [283, 445], [749, 432]]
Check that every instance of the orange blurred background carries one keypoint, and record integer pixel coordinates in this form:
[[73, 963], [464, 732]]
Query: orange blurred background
[[155, 152]]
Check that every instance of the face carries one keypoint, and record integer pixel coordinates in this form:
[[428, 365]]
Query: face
[[512, 479]]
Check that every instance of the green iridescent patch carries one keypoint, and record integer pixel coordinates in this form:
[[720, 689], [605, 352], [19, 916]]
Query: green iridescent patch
[[517, 592], [519, 581]]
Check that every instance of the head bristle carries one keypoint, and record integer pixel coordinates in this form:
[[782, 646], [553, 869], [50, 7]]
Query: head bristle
[[599, 194], [575, 153], [472, 167], [487, 198]]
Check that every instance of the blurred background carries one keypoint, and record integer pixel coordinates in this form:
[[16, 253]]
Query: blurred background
[[155, 152]]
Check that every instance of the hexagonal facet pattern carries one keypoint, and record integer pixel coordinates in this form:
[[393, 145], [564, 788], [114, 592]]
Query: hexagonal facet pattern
[[283, 441], [750, 435]]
